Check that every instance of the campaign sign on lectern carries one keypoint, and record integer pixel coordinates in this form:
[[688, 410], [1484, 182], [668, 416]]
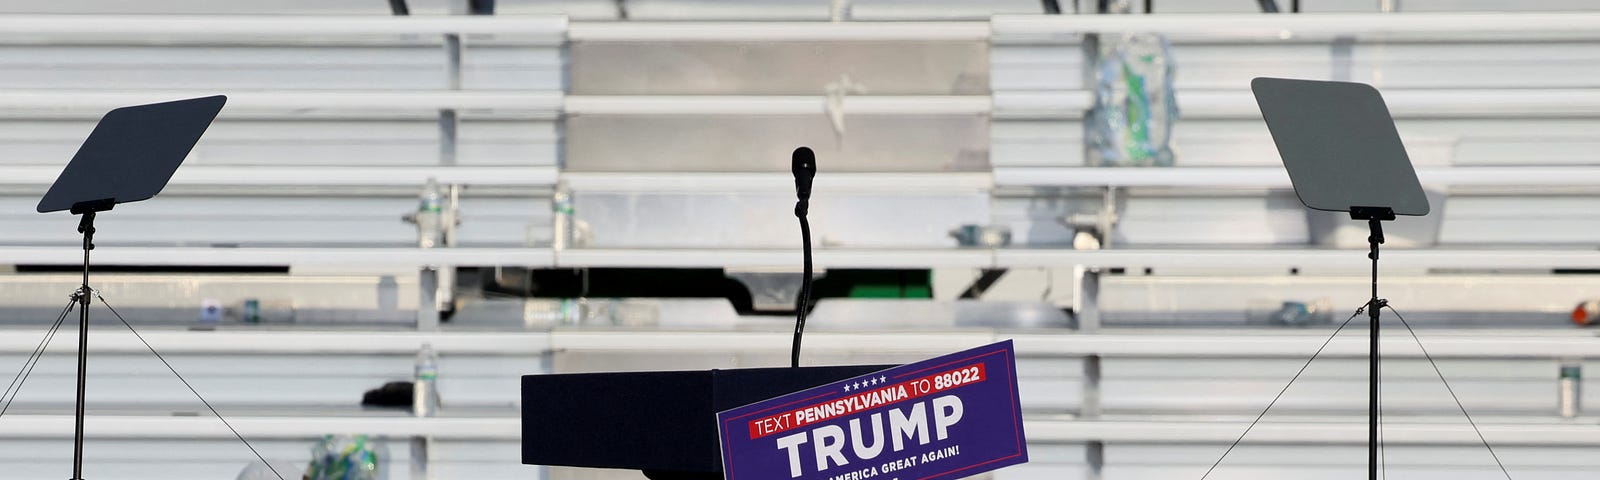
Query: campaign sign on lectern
[[947, 417]]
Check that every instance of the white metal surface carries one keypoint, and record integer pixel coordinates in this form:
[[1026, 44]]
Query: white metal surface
[[816, 342], [299, 102], [1045, 431], [1034, 28], [319, 257], [552, 27], [719, 182], [776, 31], [1219, 259], [1460, 344], [1221, 25], [392, 176], [781, 259], [295, 342], [1353, 431], [1269, 177], [1352, 261], [1403, 103], [1500, 103], [1276, 177], [774, 105], [196, 427]]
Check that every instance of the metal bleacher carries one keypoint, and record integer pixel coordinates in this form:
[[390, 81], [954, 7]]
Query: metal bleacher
[[672, 129]]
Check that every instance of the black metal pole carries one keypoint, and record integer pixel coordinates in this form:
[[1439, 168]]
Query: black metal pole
[[1373, 306], [86, 227]]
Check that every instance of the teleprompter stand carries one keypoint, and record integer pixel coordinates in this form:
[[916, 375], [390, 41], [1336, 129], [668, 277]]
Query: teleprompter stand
[[1375, 216], [129, 157], [1343, 154]]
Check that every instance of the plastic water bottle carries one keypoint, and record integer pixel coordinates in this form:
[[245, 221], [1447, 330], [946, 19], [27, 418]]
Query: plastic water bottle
[[429, 216], [425, 392], [344, 457], [1570, 389], [561, 210], [1135, 110]]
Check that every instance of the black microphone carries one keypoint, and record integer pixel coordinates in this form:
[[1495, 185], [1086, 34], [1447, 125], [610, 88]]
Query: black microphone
[[804, 166]]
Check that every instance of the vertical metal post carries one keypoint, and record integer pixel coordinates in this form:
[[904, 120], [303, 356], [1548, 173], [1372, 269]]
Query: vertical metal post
[[419, 458], [439, 281], [1342, 50], [1090, 405], [1090, 49], [1095, 456], [428, 300], [839, 10], [448, 121], [1107, 223], [449, 222], [1087, 301], [448, 126], [1089, 409]]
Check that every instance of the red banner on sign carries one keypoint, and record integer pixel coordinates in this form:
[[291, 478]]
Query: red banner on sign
[[874, 398]]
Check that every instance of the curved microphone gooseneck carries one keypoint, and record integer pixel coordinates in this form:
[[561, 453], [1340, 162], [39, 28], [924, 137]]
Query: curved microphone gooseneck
[[804, 166]]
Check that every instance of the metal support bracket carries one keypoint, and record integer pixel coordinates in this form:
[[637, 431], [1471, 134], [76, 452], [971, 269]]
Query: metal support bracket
[[1100, 225]]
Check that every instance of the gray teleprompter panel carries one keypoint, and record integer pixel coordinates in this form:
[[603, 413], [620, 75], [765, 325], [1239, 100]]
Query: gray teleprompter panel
[[1340, 145], [132, 153]]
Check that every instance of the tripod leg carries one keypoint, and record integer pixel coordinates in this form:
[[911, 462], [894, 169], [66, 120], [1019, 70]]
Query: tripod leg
[[21, 377], [1451, 390], [1281, 392], [191, 388]]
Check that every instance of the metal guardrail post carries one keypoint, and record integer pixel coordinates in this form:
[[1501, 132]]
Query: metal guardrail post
[[435, 282], [449, 135], [1086, 301], [1090, 406], [1095, 456], [419, 458], [1087, 306], [1089, 409], [449, 122], [428, 299]]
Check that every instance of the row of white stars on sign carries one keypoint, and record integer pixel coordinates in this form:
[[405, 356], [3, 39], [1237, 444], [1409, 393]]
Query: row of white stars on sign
[[865, 383]]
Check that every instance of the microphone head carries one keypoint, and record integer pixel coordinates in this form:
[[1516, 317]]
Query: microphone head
[[804, 166]]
